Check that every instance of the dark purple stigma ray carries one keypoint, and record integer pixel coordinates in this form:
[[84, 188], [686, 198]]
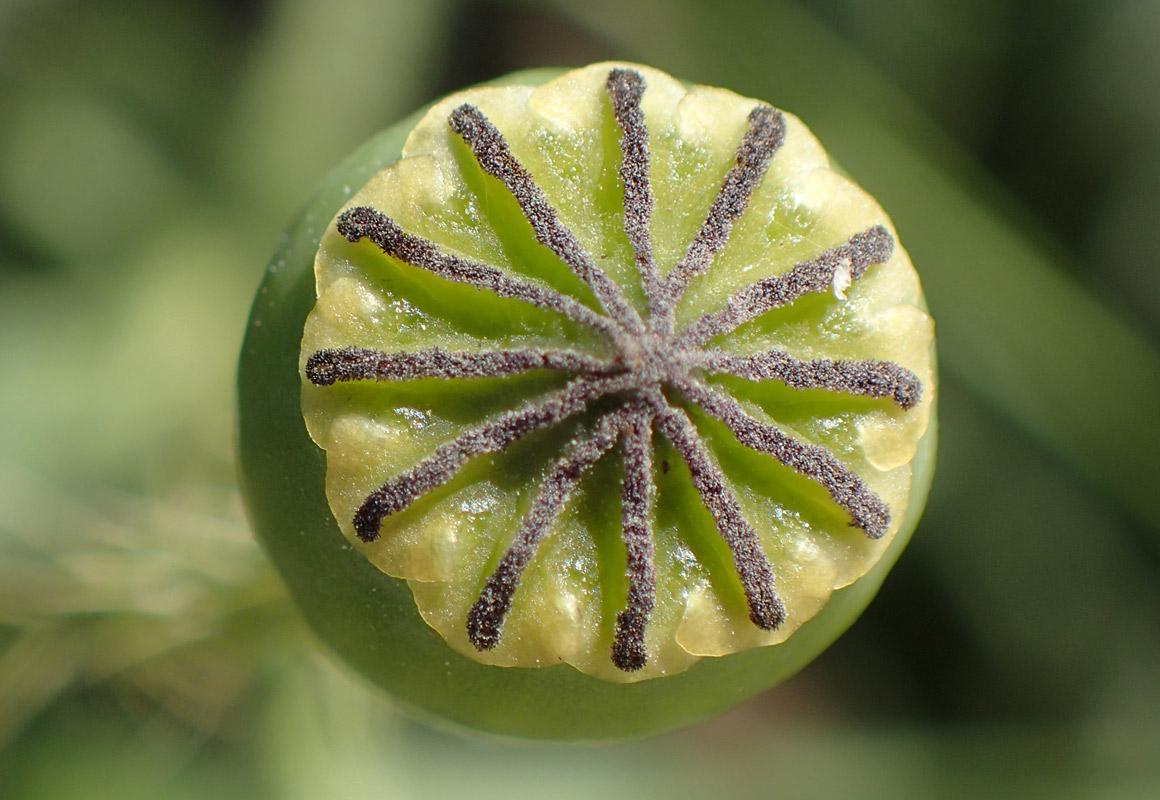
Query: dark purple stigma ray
[[868, 378], [326, 367], [637, 496], [363, 222], [873, 246], [486, 617], [766, 609], [762, 139], [625, 89], [491, 151], [866, 509], [491, 436]]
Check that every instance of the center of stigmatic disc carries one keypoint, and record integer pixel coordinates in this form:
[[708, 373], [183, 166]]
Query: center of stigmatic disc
[[652, 359]]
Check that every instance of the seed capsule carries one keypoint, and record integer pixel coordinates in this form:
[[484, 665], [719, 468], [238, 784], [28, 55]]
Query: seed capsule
[[533, 579], [614, 373]]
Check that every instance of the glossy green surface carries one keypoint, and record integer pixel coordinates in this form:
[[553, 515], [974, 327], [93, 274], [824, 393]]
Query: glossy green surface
[[370, 619]]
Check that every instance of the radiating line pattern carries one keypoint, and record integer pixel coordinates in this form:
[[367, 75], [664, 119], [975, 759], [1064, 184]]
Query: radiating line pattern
[[629, 397]]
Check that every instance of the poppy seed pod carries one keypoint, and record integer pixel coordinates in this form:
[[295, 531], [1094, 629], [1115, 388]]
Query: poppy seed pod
[[604, 404]]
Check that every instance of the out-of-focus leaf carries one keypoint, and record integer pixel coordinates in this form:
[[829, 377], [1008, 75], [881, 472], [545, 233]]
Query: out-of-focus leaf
[[162, 59], [1040, 577], [116, 379], [953, 59], [76, 176], [1010, 324], [152, 74], [322, 78], [1117, 80]]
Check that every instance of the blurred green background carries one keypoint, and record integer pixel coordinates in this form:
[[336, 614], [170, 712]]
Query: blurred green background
[[150, 153]]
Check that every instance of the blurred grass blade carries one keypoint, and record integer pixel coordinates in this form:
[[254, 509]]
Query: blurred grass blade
[[1011, 325], [167, 597], [323, 77]]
